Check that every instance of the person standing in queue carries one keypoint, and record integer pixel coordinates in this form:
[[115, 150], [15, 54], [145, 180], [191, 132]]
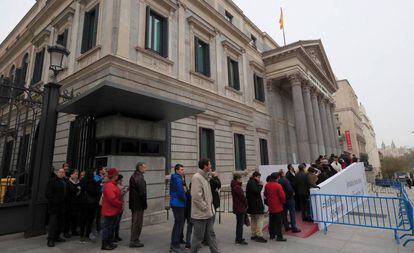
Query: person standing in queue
[[56, 194], [202, 209], [137, 203], [275, 198], [255, 207], [239, 207], [178, 202], [111, 209]]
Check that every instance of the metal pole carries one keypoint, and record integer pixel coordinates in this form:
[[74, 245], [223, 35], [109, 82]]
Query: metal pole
[[43, 160]]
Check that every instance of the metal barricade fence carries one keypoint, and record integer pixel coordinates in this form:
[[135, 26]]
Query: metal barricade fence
[[382, 212]]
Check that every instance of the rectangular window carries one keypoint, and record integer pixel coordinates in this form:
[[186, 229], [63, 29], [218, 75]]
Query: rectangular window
[[38, 66], [264, 154], [62, 39], [239, 152], [202, 57], [259, 92], [156, 36], [207, 145], [90, 29], [233, 73], [228, 16], [254, 40]]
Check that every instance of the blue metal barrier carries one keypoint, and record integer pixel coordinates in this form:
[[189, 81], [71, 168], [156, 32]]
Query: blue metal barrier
[[391, 213]]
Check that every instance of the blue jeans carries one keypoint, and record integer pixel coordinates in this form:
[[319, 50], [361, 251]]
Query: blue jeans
[[108, 229], [179, 221], [289, 206]]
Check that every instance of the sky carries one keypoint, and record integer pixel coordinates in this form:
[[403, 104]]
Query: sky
[[369, 42]]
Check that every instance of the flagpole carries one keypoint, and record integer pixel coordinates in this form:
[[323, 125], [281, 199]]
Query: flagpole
[[284, 37]]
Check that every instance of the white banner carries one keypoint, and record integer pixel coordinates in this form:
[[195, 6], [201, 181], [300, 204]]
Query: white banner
[[350, 181]]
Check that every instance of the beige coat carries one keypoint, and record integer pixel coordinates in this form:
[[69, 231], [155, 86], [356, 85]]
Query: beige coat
[[201, 197]]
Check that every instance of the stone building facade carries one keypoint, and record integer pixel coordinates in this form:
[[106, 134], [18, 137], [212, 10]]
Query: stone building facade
[[171, 81], [371, 147], [350, 121]]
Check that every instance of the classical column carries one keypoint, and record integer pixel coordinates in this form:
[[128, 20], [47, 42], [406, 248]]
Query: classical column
[[325, 128], [301, 128], [338, 149], [310, 120], [318, 123], [278, 123], [330, 127]]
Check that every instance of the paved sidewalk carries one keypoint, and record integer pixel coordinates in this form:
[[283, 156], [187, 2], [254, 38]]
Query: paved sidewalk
[[340, 239]]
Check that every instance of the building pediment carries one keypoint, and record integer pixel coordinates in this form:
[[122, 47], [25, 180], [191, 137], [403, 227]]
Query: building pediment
[[310, 54]]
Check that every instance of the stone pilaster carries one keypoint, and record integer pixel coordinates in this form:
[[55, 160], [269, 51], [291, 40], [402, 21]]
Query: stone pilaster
[[318, 123], [325, 128], [330, 127], [310, 120], [301, 128], [338, 149]]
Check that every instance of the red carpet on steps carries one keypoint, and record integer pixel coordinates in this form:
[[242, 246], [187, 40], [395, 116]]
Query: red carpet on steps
[[308, 228]]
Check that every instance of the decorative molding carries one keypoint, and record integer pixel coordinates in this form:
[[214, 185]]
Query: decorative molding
[[209, 117], [234, 49], [41, 37], [89, 52], [167, 4], [195, 23], [257, 66], [262, 130], [63, 17], [238, 124], [296, 78], [234, 90], [199, 75], [154, 55]]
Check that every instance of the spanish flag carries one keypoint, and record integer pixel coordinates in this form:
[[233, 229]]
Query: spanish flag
[[281, 23]]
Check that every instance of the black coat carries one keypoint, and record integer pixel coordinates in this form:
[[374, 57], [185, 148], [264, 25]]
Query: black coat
[[90, 191], [74, 193], [292, 179], [137, 192], [302, 183], [56, 194], [254, 197], [215, 185]]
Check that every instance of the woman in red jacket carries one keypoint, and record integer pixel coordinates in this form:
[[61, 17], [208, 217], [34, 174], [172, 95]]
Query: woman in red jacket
[[275, 198], [111, 208], [239, 207]]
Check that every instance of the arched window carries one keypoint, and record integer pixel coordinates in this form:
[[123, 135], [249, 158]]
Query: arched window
[[12, 74], [25, 66]]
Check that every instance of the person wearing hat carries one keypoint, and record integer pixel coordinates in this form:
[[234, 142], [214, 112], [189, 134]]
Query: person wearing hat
[[275, 198], [111, 208]]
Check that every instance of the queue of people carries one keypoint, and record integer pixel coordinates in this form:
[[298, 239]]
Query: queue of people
[[77, 200]]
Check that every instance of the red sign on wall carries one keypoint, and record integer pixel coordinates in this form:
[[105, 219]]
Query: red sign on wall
[[348, 140]]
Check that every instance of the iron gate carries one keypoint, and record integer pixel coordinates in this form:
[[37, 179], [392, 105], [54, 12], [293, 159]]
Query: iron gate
[[20, 112]]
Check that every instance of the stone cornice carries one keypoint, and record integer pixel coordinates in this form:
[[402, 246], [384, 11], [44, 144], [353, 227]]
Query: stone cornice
[[223, 23], [257, 66], [41, 37], [167, 4], [238, 124], [195, 23], [232, 48], [262, 130], [206, 116], [63, 17]]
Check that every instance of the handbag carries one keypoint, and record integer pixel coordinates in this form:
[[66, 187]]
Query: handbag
[[247, 220]]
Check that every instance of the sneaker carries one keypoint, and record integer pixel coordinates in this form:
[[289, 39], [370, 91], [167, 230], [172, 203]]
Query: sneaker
[[66, 235], [188, 246], [59, 239], [107, 247], [82, 240], [261, 239], [253, 238], [296, 230], [118, 239], [287, 229], [92, 237], [281, 239]]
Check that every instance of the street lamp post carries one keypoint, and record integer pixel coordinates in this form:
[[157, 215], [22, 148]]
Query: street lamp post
[[45, 145]]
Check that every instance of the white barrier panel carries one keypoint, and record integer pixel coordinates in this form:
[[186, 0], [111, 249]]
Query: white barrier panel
[[350, 181]]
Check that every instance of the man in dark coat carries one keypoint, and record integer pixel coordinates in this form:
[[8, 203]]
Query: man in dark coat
[[304, 183], [291, 176], [215, 185], [56, 194], [255, 206], [137, 203], [289, 205]]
